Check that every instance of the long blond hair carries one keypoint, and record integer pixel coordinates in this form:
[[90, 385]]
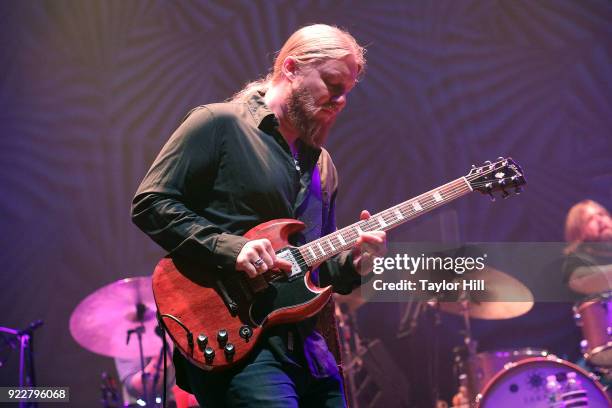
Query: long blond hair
[[574, 224], [309, 44]]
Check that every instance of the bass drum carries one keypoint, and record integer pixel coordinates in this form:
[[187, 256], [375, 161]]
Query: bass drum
[[483, 366], [523, 384]]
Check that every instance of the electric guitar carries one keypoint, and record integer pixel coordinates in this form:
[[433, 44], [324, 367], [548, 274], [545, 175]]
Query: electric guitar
[[215, 319]]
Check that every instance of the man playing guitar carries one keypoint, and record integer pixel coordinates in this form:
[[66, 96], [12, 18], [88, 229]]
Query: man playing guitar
[[232, 166]]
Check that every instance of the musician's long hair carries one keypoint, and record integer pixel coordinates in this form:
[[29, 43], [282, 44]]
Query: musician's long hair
[[309, 44], [574, 224]]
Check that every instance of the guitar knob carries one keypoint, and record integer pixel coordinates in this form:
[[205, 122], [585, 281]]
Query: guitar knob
[[229, 351], [209, 354], [222, 337], [245, 332], [202, 341]]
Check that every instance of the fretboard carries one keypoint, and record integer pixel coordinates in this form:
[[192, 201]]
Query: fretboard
[[325, 247]]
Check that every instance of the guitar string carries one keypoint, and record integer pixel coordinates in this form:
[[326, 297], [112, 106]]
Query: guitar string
[[349, 235], [367, 225], [427, 203]]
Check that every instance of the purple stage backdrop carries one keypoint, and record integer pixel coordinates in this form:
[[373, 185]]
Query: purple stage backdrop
[[90, 91]]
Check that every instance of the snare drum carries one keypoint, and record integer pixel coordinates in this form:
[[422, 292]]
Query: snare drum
[[483, 366], [523, 384], [594, 316]]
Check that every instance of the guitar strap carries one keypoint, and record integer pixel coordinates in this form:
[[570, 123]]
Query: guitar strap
[[313, 208]]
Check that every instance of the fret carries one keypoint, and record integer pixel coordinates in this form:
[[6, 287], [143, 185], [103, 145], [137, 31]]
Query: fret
[[312, 252], [382, 222], [331, 244], [321, 248]]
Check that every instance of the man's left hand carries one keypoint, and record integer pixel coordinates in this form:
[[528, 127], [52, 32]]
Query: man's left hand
[[370, 244]]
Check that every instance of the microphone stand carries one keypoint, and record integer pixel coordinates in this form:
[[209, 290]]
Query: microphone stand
[[27, 376]]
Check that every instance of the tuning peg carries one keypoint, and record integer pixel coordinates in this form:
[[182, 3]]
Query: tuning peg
[[518, 190], [505, 194], [492, 196]]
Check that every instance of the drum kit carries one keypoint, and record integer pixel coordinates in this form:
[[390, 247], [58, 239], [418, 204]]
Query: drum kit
[[527, 377], [119, 321]]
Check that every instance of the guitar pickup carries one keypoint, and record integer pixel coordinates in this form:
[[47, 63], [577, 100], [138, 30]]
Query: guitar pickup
[[293, 256]]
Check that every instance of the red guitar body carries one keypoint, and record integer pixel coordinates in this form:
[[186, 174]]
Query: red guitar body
[[232, 311]]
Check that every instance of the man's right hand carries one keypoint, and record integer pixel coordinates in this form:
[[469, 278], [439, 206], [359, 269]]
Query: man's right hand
[[258, 256]]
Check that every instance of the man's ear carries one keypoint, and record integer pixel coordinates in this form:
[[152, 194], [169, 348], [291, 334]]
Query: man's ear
[[289, 68]]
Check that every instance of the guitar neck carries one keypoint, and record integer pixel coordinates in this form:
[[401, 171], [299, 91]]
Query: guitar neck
[[322, 249]]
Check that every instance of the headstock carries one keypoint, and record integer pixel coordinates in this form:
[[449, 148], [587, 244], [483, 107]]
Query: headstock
[[501, 175]]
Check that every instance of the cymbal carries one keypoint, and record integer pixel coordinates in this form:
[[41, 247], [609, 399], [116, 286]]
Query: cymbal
[[504, 297], [597, 282], [101, 321]]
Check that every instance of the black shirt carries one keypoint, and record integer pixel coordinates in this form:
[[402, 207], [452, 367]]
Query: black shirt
[[227, 169]]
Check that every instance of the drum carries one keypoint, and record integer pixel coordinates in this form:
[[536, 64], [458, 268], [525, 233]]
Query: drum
[[523, 384], [594, 316], [483, 366]]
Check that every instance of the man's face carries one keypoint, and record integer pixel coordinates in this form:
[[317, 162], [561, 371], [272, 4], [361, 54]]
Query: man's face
[[598, 224], [318, 95]]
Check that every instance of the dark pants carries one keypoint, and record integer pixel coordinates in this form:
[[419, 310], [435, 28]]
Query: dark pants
[[266, 383]]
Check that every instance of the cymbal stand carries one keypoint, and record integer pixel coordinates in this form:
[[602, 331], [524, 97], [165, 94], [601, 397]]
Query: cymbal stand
[[140, 312]]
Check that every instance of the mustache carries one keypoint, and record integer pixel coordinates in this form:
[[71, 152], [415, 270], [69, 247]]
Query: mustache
[[332, 107]]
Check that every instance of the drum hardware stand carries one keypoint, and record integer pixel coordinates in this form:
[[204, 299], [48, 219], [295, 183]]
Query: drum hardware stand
[[410, 319], [434, 365], [163, 354], [468, 350], [468, 340], [140, 312], [352, 349], [27, 376], [109, 390]]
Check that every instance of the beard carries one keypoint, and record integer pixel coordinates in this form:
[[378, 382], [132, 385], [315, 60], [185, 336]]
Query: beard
[[301, 111]]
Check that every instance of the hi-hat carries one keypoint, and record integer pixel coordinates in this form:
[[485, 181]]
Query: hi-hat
[[101, 321], [504, 297]]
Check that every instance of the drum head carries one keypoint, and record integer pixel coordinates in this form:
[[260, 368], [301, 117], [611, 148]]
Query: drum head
[[524, 385], [483, 366]]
